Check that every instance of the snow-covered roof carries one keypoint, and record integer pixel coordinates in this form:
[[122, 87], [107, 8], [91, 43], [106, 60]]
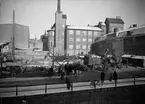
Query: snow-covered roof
[[84, 28], [2, 43], [133, 28]]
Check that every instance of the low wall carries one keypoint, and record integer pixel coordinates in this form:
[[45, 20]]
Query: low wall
[[116, 95]]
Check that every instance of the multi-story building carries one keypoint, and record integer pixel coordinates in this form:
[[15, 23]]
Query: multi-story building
[[79, 39], [70, 40], [114, 24], [20, 33]]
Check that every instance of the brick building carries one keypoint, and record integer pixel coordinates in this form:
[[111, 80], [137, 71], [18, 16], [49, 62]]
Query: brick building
[[79, 39], [114, 24]]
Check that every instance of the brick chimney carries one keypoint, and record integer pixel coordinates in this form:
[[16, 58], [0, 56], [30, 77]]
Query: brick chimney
[[118, 17]]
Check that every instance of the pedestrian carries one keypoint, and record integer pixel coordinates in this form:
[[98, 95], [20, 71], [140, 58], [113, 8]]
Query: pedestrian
[[67, 80], [110, 77], [102, 77], [71, 85], [115, 76], [59, 70], [50, 72], [94, 83], [62, 75]]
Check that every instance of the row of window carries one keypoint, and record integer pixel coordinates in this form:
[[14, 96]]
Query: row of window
[[79, 39], [79, 46], [77, 52], [81, 32]]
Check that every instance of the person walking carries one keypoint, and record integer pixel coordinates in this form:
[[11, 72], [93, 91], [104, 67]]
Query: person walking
[[102, 77], [71, 85], [67, 80], [62, 75], [110, 77], [115, 76]]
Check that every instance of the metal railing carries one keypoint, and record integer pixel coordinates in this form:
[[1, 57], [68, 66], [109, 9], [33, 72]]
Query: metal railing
[[46, 89]]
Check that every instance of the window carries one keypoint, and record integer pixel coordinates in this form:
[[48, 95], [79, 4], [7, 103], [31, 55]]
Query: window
[[89, 33], [84, 46], [89, 47], [84, 33], [84, 39], [71, 32], [78, 46], [71, 46], [78, 32], [71, 39], [78, 39], [95, 33], [89, 40]]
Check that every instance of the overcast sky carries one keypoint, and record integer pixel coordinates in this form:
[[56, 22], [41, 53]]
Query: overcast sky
[[39, 15]]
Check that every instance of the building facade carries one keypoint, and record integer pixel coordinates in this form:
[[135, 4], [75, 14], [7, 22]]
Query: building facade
[[79, 39], [36, 44], [20, 32], [102, 25], [114, 24], [48, 40]]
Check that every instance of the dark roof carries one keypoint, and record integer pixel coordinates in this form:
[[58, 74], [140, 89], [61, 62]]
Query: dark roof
[[53, 26], [4, 44], [100, 38], [114, 20]]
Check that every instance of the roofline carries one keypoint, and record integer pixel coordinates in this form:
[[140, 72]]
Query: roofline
[[114, 22], [84, 28], [133, 28], [15, 24]]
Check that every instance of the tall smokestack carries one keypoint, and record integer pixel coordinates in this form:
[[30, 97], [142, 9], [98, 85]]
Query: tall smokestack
[[58, 6], [13, 37]]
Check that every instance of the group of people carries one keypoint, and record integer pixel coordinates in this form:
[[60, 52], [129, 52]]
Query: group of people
[[112, 76]]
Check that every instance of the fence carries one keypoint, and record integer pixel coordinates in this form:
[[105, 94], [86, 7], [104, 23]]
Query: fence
[[44, 89]]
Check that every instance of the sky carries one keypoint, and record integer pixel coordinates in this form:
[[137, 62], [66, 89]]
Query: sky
[[39, 15]]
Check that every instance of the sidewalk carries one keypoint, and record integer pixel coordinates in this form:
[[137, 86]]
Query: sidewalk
[[57, 88]]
